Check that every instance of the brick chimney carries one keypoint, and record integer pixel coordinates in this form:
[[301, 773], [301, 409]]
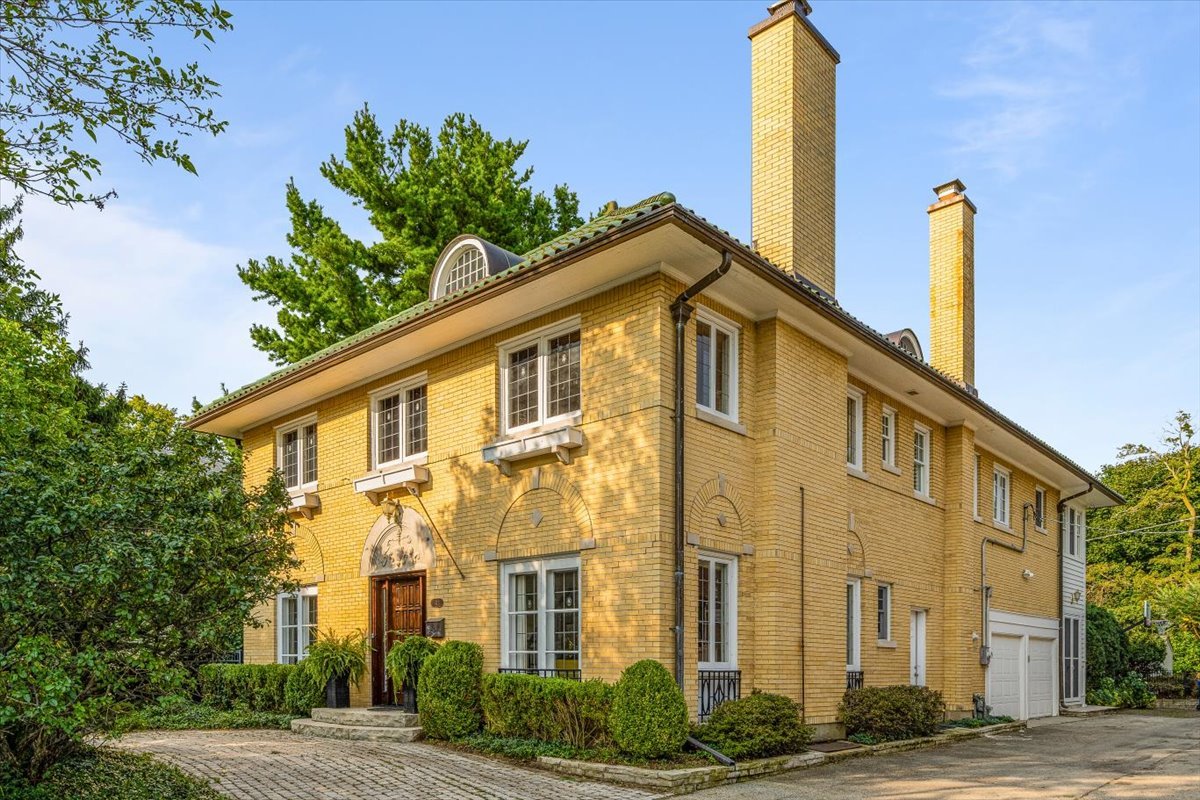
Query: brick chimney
[[793, 121], [952, 283]]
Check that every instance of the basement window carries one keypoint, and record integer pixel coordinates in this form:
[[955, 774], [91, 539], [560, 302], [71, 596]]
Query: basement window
[[716, 365]]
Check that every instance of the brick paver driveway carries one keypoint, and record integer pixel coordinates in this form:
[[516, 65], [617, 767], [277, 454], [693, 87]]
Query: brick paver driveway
[[278, 765]]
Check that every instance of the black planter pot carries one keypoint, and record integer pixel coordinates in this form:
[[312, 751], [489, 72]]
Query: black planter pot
[[337, 692], [409, 699]]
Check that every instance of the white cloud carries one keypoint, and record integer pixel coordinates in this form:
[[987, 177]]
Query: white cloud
[[157, 308]]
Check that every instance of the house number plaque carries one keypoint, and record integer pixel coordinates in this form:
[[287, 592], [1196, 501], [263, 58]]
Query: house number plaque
[[436, 628]]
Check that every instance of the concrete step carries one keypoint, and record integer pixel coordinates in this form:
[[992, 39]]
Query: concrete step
[[1087, 711], [358, 733], [369, 717]]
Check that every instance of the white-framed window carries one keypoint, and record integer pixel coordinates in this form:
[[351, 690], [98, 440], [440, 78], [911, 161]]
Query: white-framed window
[[921, 460], [1074, 530], [541, 619], [854, 427], [296, 452], [400, 422], [295, 624], [853, 624], [887, 445], [469, 267], [1073, 661], [540, 378], [975, 487], [1039, 509], [1000, 486], [716, 612], [716, 364], [883, 612]]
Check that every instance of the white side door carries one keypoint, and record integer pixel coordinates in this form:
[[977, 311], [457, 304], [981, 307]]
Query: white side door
[[916, 647], [1041, 677], [1004, 677]]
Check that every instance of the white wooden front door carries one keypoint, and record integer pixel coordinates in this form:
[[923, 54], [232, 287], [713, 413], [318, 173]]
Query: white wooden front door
[[916, 647]]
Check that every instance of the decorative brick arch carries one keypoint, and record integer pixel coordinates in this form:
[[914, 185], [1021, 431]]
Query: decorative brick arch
[[539, 479], [718, 487], [398, 542], [301, 531]]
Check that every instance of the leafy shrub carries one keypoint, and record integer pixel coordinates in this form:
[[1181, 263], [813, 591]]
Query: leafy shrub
[[303, 691], [258, 687], [888, 713], [403, 661], [862, 738], [756, 726], [333, 656], [549, 709], [649, 717], [1146, 652], [1131, 691], [449, 687], [1172, 686], [108, 774], [978, 722], [179, 714], [519, 748], [1107, 647]]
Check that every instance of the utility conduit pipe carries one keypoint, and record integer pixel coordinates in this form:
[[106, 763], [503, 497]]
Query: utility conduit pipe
[[985, 591]]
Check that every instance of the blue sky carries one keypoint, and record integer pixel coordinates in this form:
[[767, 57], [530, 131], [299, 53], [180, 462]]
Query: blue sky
[[1075, 127]]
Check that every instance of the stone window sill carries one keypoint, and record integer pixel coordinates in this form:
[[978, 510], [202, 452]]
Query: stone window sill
[[376, 484], [855, 472], [559, 442], [888, 643], [720, 421], [924, 498], [891, 468]]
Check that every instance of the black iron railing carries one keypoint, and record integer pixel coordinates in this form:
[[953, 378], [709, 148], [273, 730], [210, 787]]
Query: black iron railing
[[854, 679], [717, 686], [569, 674]]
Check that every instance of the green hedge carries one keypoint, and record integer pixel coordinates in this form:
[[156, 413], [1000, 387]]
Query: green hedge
[[757, 726], [549, 709], [649, 717], [259, 687], [1107, 646], [1131, 691], [1172, 686], [303, 691], [449, 688], [887, 713]]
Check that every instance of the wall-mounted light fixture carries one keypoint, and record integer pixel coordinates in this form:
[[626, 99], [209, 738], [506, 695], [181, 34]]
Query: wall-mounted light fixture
[[1027, 574]]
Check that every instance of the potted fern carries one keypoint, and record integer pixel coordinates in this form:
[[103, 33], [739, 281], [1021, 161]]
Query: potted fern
[[338, 661], [403, 664]]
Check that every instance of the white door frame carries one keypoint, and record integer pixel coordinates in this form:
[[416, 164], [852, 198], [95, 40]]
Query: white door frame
[[917, 651], [1024, 626]]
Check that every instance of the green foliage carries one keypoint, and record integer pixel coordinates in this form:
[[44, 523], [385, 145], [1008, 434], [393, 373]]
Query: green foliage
[[549, 709], [258, 687], [1172, 686], [108, 774], [862, 738], [1146, 651], [757, 726], [419, 194], [450, 685], [130, 549], [333, 656], [404, 660], [82, 69], [1179, 603], [1131, 691], [888, 713], [303, 691], [1107, 646], [175, 713], [977, 722], [649, 717], [532, 749]]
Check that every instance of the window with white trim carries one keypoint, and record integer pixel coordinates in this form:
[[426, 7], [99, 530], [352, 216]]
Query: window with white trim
[[295, 624], [883, 612], [716, 365], [296, 447], [1000, 481], [921, 460], [540, 379], [1039, 508], [400, 422], [541, 602], [975, 487], [854, 428], [468, 268], [853, 624], [887, 445], [1074, 531], [716, 612]]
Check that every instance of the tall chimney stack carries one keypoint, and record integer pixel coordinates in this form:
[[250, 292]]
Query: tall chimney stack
[[793, 123], [952, 283]]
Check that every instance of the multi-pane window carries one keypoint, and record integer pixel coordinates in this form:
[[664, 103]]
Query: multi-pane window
[[975, 487], [716, 366], [541, 379], [467, 269], [716, 612], [1039, 508], [401, 424], [1072, 659], [1074, 530], [883, 612], [541, 615], [297, 459], [888, 437], [921, 461], [853, 624], [296, 624], [1000, 478], [854, 417]]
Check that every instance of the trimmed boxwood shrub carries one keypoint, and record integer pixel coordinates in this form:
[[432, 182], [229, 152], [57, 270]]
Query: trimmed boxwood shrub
[[549, 709], [259, 687], [757, 726], [649, 717], [1172, 686], [303, 691], [887, 713], [449, 687]]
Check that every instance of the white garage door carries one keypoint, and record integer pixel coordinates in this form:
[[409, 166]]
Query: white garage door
[[1041, 678], [1004, 674]]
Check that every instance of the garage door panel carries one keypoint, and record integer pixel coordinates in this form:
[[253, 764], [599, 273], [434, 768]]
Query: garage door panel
[[1004, 675], [1041, 677]]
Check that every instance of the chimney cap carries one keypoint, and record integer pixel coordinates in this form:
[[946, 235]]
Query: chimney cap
[[951, 187], [802, 6]]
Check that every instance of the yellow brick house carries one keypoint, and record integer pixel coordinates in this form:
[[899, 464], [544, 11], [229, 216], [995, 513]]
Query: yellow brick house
[[645, 439]]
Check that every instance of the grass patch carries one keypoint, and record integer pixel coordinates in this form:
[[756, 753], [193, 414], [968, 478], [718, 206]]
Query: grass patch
[[175, 714], [977, 722], [527, 750], [103, 774]]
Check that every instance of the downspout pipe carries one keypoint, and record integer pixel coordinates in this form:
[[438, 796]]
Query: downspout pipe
[[1062, 530], [985, 591], [681, 312]]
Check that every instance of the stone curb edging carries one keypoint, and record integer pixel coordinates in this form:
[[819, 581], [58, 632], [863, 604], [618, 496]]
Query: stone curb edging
[[691, 779]]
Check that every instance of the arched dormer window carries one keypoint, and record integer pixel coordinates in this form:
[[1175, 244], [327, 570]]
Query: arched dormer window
[[906, 340], [468, 267], [465, 262]]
